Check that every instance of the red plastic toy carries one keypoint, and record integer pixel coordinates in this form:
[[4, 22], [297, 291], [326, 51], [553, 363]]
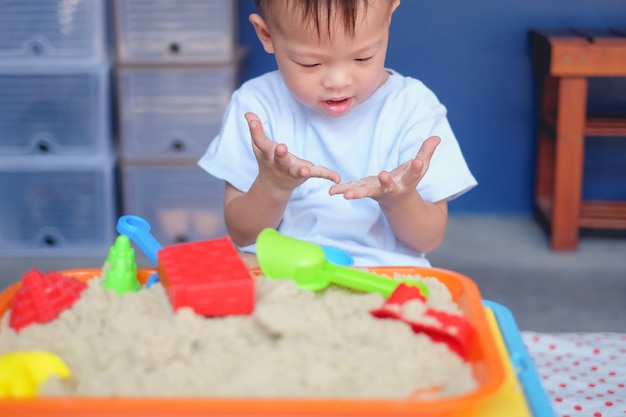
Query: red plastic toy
[[207, 276], [42, 297], [453, 330]]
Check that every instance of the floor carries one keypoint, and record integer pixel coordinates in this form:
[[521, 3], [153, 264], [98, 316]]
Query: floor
[[510, 260]]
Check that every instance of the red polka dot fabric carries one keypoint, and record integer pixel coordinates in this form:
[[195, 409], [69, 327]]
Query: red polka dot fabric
[[584, 374]]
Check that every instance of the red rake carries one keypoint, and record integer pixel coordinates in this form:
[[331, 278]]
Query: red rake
[[453, 330]]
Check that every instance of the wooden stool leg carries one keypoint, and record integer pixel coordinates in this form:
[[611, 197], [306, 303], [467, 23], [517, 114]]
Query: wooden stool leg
[[544, 170], [568, 164], [544, 182]]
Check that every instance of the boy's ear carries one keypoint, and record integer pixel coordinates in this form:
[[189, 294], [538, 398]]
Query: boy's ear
[[262, 32], [396, 3]]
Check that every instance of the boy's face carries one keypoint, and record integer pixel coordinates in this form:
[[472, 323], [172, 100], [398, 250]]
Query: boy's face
[[329, 75]]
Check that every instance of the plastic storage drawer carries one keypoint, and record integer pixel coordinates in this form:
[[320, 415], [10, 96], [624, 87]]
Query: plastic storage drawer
[[57, 206], [156, 31], [45, 29], [172, 112], [181, 203], [55, 109]]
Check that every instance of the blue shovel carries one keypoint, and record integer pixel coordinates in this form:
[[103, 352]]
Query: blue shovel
[[137, 230]]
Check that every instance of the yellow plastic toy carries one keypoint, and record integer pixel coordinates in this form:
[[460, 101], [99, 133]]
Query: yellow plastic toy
[[22, 373]]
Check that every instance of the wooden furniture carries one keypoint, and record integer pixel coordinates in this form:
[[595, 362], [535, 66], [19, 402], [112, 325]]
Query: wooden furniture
[[563, 60]]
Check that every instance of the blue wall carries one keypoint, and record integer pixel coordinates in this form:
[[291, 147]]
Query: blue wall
[[474, 55]]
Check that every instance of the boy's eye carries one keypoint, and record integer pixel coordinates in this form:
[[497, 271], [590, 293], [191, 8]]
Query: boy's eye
[[307, 65], [363, 59]]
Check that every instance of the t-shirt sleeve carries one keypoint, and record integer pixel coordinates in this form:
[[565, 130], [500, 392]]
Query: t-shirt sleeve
[[448, 175], [229, 156]]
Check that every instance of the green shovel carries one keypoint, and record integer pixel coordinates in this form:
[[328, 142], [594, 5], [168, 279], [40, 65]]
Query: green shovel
[[285, 257]]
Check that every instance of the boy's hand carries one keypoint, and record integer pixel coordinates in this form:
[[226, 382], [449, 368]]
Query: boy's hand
[[277, 166], [394, 185]]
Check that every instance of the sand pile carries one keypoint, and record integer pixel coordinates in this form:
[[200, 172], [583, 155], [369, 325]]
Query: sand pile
[[295, 344]]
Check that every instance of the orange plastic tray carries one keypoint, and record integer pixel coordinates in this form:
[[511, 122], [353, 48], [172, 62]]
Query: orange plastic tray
[[487, 364]]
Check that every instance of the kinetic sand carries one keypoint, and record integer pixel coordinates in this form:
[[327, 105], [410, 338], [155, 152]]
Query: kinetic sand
[[295, 344]]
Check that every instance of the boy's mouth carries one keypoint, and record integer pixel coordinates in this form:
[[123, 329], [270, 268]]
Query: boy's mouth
[[337, 106]]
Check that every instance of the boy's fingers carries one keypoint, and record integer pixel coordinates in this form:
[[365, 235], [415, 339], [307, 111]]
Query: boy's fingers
[[323, 172], [416, 171], [386, 182], [428, 148], [422, 160], [254, 124], [250, 117], [259, 140], [280, 154]]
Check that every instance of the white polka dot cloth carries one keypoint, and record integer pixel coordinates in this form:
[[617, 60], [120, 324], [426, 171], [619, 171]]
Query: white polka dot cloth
[[584, 374]]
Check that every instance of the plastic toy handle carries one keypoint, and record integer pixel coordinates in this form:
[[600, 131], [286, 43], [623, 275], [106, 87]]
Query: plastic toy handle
[[138, 230], [359, 280], [367, 281], [152, 279]]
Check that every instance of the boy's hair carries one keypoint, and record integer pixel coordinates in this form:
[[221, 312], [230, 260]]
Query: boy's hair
[[319, 13]]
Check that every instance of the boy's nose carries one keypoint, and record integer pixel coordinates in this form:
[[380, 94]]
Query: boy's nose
[[336, 79]]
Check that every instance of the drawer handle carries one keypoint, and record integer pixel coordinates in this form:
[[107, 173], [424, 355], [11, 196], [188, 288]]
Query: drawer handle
[[178, 145], [43, 146], [37, 48], [49, 240], [174, 48]]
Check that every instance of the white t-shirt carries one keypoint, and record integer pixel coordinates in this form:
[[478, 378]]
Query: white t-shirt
[[379, 134]]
